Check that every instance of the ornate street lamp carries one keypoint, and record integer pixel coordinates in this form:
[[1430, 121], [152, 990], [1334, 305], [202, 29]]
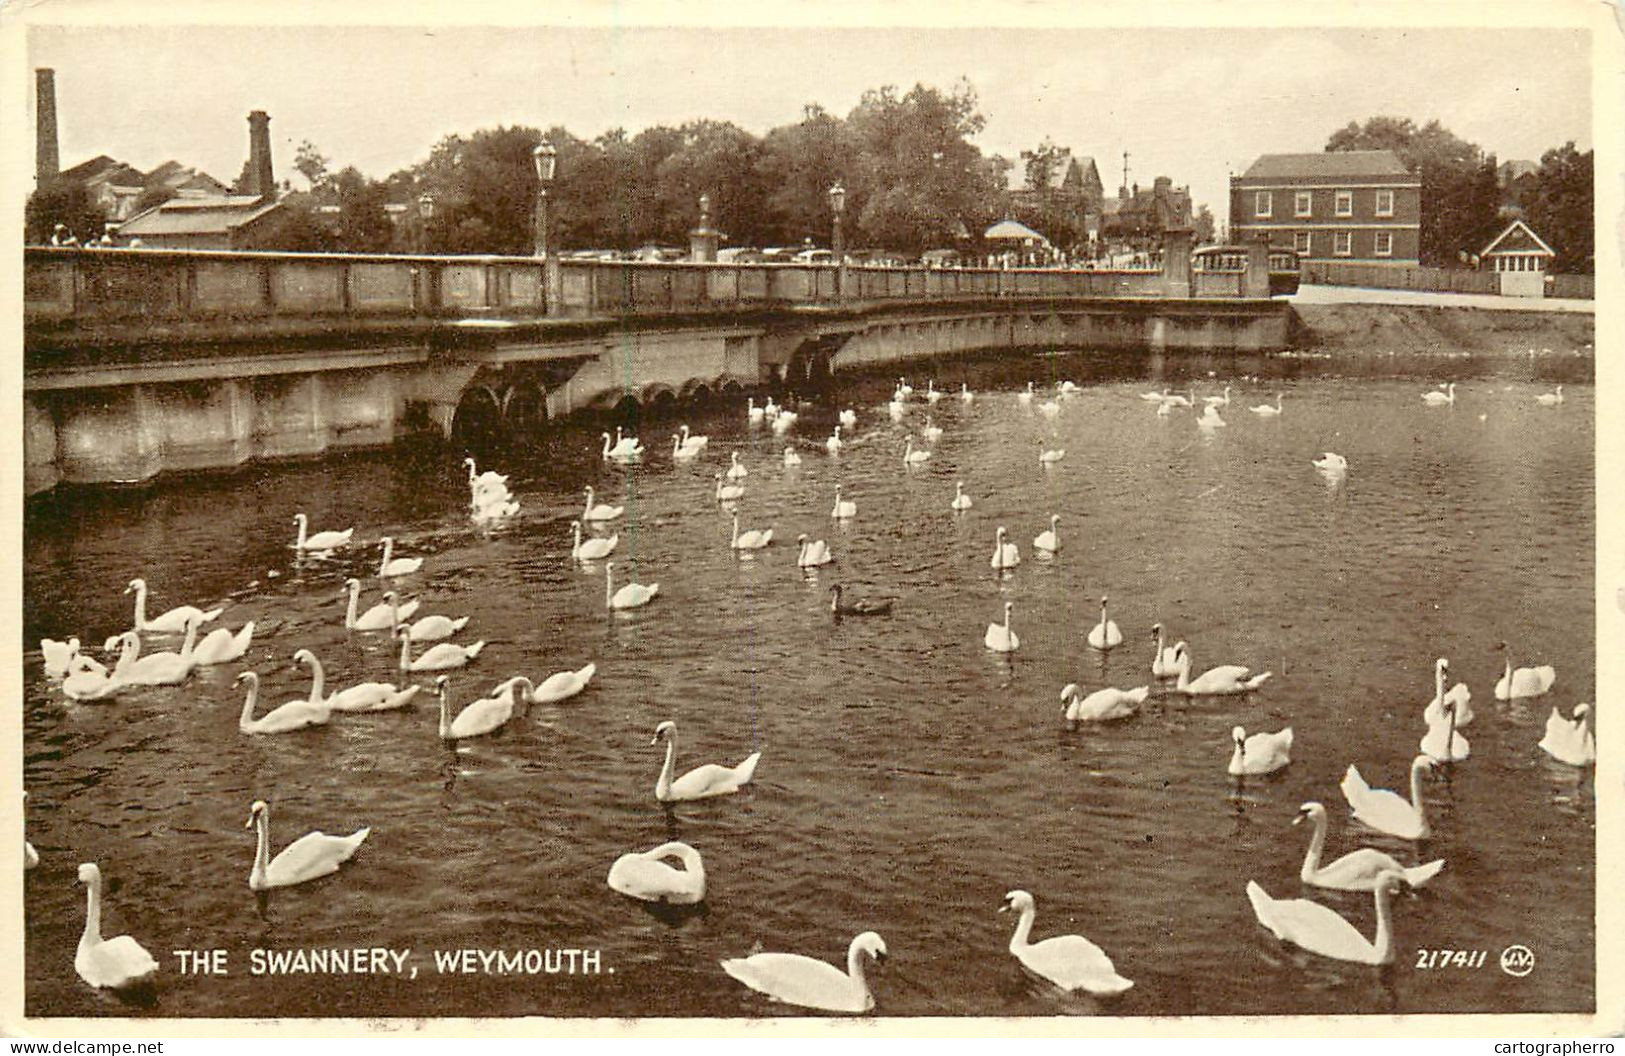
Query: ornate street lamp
[[425, 214], [545, 158], [837, 206]]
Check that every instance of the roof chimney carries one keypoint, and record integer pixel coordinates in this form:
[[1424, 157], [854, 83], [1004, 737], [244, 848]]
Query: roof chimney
[[47, 163], [260, 180]]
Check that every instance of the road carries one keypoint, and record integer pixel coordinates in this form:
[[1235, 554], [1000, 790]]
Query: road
[[1364, 295]]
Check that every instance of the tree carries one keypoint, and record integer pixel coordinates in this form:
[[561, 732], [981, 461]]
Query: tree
[[311, 163], [1559, 207], [61, 202], [796, 167], [1203, 226], [1042, 166]]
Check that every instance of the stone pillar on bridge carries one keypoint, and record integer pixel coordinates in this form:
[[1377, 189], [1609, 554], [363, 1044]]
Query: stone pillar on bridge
[[1256, 282], [703, 240], [1176, 262]]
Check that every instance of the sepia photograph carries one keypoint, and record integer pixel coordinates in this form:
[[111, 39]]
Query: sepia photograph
[[584, 513]]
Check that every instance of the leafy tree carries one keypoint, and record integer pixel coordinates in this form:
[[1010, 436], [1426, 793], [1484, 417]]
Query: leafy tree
[[1559, 206], [1203, 226], [796, 167], [1042, 166], [311, 163], [61, 202], [715, 158]]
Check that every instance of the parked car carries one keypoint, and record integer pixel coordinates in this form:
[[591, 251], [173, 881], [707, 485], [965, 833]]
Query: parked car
[[780, 254], [815, 256], [659, 253], [740, 255]]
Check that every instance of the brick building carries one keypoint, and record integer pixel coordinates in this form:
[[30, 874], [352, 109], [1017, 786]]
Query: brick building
[[1358, 206]]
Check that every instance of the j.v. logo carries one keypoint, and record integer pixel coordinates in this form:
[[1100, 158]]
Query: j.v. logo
[[1517, 960]]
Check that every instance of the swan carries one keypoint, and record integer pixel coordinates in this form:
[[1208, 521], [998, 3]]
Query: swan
[[1155, 397], [860, 607], [1218, 401], [1026, 397], [1330, 462], [961, 500], [1210, 418], [999, 637], [904, 389], [220, 646], [294, 715], [563, 685], [1459, 696], [755, 539], [603, 511], [1071, 962], [833, 444], [625, 448], [311, 856], [488, 479], [488, 503], [849, 418], [1224, 680], [678, 451], [171, 622], [1050, 408], [895, 409], [1067, 388], [692, 445], [439, 657], [753, 413], [1180, 401], [1102, 705], [702, 782], [1164, 410], [812, 554], [1525, 681], [317, 541], [810, 983], [1105, 635], [965, 395], [1049, 540], [1266, 410], [1317, 929], [158, 669], [736, 469], [931, 393], [58, 655], [1005, 555], [88, 680], [1442, 743], [771, 410], [1570, 741], [912, 457], [1356, 870], [1047, 458], [1385, 811], [728, 492], [400, 566], [381, 617], [363, 696], [1262, 753], [114, 963], [630, 596], [1550, 399], [842, 510], [784, 421], [592, 549], [929, 431], [1165, 661], [647, 877], [1438, 399], [791, 458], [483, 716]]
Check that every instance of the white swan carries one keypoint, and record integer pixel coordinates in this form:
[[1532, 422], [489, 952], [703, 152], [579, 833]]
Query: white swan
[[1550, 399], [791, 458], [363, 696], [592, 549], [1331, 462], [646, 876], [1181, 401], [702, 782], [115, 963], [1570, 741], [1442, 743], [1459, 696], [624, 449], [849, 418], [1438, 399], [88, 680], [1385, 811], [1524, 681], [482, 716], [1049, 540], [1317, 929], [1262, 753], [1050, 408], [158, 669], [842, 510], [1165, 661], [904, 389], [1105, 635], [1071, 962], [58, 655], [1356, 870], [1266, 410], [961, 501], [912, 457], [441, 657], [630, 596], [1068, 388], [1224, 680], [895, 409], [1210, 418], [810, 983], [753, 413], [728, 492], [220, 646], [1103, 705], [317, 541], [931, 393], [603, 511], [294, 715], [1005, 555], [1155, 397], [755, 539], [382, 616], [434, 628], [693, 445], [679, 452], [929, 431], [965, 395], [563, 685], [1050, 457], [999, 637], [1218, 401], [487, 481], [736, 469], [171, 622], [491, 502], [771, 409], [784, 421], [313, 855], [1026, 397], [400, 566], [812, 554]]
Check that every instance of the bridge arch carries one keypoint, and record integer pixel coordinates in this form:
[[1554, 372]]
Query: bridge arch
[[478, 417], [524, 406]]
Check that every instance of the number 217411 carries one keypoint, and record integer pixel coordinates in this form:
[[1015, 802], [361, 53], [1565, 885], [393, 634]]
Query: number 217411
[[1430, 959]]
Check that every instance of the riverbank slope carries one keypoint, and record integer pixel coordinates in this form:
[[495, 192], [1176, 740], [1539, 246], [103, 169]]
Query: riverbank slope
[[1367, 328]]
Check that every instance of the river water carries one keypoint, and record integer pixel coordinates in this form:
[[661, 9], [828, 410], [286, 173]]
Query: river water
[[909, 776]]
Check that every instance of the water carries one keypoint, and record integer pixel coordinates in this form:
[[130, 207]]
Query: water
[[909, 777]]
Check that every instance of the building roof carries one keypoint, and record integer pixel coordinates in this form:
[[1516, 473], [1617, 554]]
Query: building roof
[[1013, 230], [86, 170], [197, 216], [1512, 170], [1518, 237], [1328, 164]]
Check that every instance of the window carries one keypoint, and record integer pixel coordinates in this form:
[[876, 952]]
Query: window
[[1342, 243], [1385, 203], [1262, 206], [1385, 243], [1303, 203], [1301, 242], [1345, 203]]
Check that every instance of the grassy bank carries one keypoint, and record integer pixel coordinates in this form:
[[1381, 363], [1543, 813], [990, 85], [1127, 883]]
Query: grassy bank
[[1382, 328]]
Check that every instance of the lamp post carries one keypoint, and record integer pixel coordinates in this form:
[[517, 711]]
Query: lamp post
[[837, 205], [545, 158], [425, 214]]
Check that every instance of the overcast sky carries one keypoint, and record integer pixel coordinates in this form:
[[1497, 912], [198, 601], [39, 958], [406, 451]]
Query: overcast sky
[[1194, 104]]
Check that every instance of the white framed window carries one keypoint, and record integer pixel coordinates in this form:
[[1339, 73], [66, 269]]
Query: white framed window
[[1301, 242], [1385, 244], [1303, 203], [1342, 243], [1262, 204], [1344, 203], [1385, 203]]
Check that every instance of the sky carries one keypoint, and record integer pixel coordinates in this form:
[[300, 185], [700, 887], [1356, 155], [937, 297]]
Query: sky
[[1193, 104]]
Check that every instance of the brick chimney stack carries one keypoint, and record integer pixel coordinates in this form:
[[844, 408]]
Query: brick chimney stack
[[260, 179], [47, 163]]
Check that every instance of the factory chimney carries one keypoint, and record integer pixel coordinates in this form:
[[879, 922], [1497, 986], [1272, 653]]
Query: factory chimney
[[260, 180], [47, 163]]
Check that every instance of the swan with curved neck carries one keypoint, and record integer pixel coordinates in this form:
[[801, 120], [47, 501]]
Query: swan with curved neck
[[911, 457], [1315, 928], [158, 669], [1049, 541], [600, 512], [1049, 458], [58, 655], [1218, 401], [702, 782], [382, 616], [1005, 555], [999, 637], [1385, 811], [221, 646], [624, 449], [930, 431], [1459, 696], [485, 715], [1224, 680], [439, 657], [1442, 743], [1570, 741], [843, 508], [630, 596], [171, 622], [1165, 661], [488, 479], [1517, 683], [646, 876], [88, 680], [812, 554], [692, 444], [755, 539], [1439, 398], [364, 696], [592, 549], [294, 715], [808, 982], [791, 458], [961, 502], [1550, 399], [563, 685], [1262, 753], [1103, 705], [1356, 870], [115, 963], [319, 540], [728, 492], [1268, 411], [736, 468], [1105, 634], [399, 566], [1071, 962], [313, 855]]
